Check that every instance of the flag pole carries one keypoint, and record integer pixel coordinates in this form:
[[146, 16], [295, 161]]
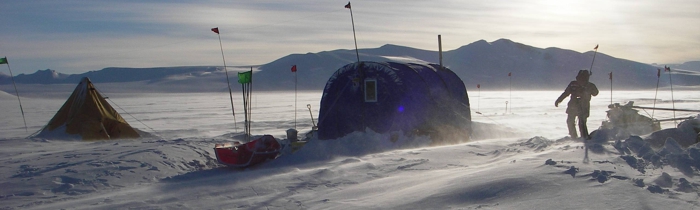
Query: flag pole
[[658, 78], [611, 87], [353, 31], [594, 53], [478, 97], [673, 102], [294, 68], [228, 83], [510, 93], [246, 80], [585, 157], [245, 111], [17, 93], [440, 50], [250, 107]]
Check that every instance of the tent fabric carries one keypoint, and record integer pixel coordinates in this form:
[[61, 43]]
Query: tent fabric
[[86, 115], [411, 98]]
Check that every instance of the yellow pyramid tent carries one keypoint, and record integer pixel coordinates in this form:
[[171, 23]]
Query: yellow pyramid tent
[[86, 115]]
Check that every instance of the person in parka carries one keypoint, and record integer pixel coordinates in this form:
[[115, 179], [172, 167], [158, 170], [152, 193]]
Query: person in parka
[[581, 91]]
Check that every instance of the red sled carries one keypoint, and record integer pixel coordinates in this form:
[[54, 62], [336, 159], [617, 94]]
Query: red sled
[[248, 154]]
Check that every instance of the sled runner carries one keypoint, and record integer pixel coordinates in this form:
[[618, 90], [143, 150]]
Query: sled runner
[[248, 154]]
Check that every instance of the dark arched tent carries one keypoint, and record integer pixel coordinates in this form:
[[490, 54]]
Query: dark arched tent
[[391, 97]]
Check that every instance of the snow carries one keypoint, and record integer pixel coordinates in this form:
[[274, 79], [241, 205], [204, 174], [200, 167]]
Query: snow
[[6, 96], [521, 159]]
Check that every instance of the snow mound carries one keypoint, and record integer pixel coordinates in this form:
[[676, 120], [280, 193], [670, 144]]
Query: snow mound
[[58, 133], [405, 59], [352, 145], [641, 153], [53, 171], [4, 95], [686, 134]]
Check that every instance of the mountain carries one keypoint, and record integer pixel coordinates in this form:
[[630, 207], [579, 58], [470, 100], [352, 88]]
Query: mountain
[[314, 69], [158, 79], [691, 65], [47, 76], [536, 68], [480, 62]]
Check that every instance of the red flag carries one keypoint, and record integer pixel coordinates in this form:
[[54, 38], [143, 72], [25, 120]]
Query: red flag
[[658, 72], [347, 5], [215, 30], [596, 47], [294, 68], [478, 85], [610, 75], [509, 73]]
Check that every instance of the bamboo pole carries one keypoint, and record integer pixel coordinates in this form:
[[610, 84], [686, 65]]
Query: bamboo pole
[[228, 83], [353, 31], [658, 78], [673, 102], [17, 93]]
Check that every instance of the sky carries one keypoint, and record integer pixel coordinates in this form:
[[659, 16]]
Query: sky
[[75, 36]]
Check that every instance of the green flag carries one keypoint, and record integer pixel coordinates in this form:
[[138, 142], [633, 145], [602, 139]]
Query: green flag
[[245, 77], [3, 60]]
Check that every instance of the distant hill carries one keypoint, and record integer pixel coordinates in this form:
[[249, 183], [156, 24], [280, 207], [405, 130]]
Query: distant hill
[[481, 62], [159, 79], [6, 96], [691, 65]]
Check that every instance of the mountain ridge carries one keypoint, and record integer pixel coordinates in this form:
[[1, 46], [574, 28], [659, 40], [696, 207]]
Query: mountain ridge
[[485, 63]]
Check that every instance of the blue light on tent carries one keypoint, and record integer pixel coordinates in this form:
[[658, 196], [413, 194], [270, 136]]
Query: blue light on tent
[[400, 108]]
